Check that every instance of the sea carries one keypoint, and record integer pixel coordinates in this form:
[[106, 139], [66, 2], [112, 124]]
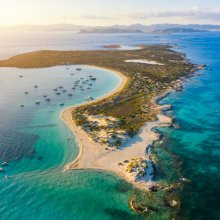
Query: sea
[[36, 144]]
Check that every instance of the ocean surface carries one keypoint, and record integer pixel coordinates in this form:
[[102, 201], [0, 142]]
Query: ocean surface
[[37, 144]]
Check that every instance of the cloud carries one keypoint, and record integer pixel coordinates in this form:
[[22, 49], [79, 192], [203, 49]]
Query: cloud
[[95, 17], [194, 13]]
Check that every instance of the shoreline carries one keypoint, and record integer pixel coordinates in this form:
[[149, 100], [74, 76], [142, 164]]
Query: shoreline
[[94, 156], [66, 114]]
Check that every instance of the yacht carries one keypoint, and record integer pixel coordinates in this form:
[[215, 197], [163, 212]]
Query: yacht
[[4, 163], [89, 98]]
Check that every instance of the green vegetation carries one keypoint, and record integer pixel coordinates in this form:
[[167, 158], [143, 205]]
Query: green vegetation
[[132, 107]]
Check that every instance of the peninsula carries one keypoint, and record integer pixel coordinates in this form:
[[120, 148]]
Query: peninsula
[[114, 132]]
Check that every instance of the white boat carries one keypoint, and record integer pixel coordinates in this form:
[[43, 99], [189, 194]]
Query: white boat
[[4, 163], [89, 98]]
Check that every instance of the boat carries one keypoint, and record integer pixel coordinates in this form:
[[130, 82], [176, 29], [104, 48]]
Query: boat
[[71, 74], [73, 88], [4, 163], [89, 98], [88, 88], [21, 76], [60, 87], [58, 93], [80, 86], [61, 104], [47, 99], [22, 105], [45, 96], [55, 89], [37, 103], [64, 90], [70, 94], [1, 169], [35, 86], [78, 69], [26, 93], [90, 84], [93, 78]]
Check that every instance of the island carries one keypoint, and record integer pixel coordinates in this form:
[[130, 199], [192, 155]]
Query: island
[[114, 132]]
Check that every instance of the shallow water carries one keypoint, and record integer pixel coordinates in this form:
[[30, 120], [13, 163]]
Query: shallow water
[[43, 144], [37, 144]]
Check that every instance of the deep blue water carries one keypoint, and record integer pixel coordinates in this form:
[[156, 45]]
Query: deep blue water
[[39, 188], [195, 146]]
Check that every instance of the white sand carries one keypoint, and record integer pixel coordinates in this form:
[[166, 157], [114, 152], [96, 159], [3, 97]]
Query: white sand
[[93, 155]]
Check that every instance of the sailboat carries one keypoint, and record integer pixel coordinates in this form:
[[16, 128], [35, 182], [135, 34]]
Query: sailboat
[[89, 97]]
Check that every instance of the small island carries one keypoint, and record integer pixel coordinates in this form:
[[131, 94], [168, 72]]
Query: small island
[[114, 132]]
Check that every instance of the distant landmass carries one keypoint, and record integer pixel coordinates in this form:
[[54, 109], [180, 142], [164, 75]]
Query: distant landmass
[[176, 30], [111, 30], [134, 28]]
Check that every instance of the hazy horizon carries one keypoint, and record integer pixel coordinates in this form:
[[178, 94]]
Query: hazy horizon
[[115, 24], [88, 13]]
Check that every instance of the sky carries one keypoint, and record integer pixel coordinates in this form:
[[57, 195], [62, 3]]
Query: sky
[[108, 12]]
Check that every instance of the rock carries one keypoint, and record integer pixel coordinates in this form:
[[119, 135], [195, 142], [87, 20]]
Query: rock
[[153, 188], [140, 208], [172, 201], [39, 157]]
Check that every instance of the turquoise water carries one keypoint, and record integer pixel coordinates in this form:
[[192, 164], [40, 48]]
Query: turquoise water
[[38, 189], [194, 148], [36, 144]]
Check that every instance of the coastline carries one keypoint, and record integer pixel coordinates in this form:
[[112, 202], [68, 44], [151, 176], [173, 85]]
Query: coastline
[[94, 156]]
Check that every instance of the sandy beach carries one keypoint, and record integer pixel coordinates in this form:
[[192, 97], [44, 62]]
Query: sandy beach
[[93, 155]]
